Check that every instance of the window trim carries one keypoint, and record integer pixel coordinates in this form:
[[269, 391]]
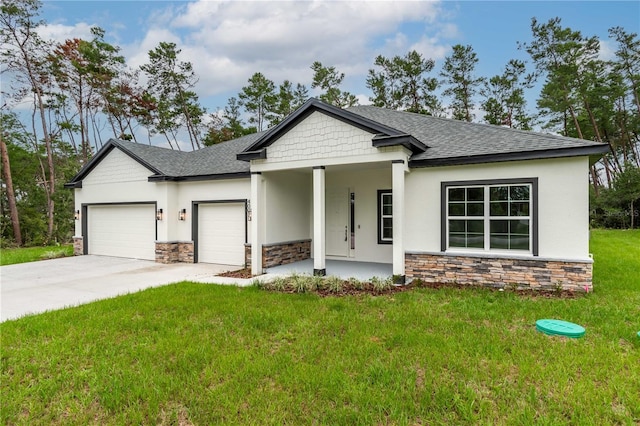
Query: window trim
[[382, 192], [444, 186]]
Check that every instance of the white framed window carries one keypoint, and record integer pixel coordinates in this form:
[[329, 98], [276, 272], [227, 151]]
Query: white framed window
[[490, 216], [385, 216]]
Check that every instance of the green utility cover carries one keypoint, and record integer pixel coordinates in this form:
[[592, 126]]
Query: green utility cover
[[556, 327]]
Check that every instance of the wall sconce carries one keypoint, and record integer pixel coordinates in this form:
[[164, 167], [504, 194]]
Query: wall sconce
[[182, 214], [249, 210], [159, 214], [76, 215]]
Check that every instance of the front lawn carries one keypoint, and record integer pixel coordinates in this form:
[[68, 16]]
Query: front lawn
[[205, 354], [32, 254]]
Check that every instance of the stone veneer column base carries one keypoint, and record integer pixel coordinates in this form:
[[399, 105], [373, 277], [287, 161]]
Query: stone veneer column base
[[275, 254], [78, 246], [499, 272], [174, 252]]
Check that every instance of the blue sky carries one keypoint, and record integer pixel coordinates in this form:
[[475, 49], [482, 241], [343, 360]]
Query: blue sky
[[228, 41]]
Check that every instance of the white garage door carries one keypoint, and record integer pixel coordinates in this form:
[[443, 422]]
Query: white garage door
[[122, 231], [221, 233]]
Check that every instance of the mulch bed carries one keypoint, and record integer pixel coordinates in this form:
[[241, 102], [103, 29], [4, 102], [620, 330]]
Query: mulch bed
[[242, 273]]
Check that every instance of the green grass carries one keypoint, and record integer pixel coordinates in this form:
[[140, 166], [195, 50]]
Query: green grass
[[32, 254], [205, 354]]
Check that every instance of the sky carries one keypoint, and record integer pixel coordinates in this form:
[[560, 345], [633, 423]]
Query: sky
[[228, 41]]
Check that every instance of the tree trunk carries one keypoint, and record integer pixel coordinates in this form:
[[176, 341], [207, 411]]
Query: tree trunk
[[8, 180]]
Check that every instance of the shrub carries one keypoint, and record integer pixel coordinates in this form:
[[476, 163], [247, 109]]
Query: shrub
[[334, 284], [380, 284]]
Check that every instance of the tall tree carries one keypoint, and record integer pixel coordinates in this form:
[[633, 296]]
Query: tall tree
[[170, 84], [226, 126], [25, 55], [401, 83], [504, 102], [328, 79], [462, 84], [84, 71], [8, 186], [288, 99], [568, 62], [259, 99]]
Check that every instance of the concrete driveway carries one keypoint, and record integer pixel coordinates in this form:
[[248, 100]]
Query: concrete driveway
[[36, 287]]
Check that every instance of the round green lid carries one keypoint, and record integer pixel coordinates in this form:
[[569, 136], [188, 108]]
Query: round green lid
[[556, 327]]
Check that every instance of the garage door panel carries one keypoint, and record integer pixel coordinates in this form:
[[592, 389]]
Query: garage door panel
[[221, 233], [122, 231]]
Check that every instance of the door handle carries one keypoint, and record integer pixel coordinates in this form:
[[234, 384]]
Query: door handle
[[345, 233]]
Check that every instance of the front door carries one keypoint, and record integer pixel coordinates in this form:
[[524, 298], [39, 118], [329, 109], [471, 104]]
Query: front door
[[337, 216]]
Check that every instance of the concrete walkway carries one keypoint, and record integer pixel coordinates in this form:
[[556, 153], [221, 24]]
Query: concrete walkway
[[341, 268], [36, 287]]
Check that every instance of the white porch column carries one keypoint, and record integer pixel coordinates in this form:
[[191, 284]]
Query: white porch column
[[397, 191], [319, 225], [256, 217]]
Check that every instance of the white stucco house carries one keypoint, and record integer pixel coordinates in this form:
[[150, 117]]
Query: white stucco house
[[439, 199]]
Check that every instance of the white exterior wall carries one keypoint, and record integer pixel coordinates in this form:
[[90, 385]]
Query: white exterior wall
[[321, 140], [321, 136], [209, 190], [120, 179], [365, 185], [563, 203], [117, 179], [287, 206]]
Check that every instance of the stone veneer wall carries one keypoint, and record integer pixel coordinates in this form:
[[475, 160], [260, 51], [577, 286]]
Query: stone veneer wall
[[78, 246], [280, 253], [520, 274], [174, 252]]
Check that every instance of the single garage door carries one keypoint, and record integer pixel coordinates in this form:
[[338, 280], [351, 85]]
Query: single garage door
[[221, 233], [122, 231]]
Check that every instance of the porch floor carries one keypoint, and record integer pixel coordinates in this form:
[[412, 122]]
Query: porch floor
[[341, 268]]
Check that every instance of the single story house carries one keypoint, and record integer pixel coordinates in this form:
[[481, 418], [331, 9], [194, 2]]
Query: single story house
[[439, 199]]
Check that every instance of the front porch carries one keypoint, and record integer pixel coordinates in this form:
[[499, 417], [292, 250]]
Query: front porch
[[344, 269], [341, 212]]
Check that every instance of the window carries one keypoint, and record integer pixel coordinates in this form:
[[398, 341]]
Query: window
[[385, 217], [490, 215]]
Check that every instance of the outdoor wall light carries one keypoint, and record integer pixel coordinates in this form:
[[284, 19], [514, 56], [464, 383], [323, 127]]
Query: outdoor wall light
[[182, 214], [76, 215], [159, 214], [249, 210]]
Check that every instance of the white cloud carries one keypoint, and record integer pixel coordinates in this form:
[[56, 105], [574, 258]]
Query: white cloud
[[60, 32], [229, 41], [607, 50]]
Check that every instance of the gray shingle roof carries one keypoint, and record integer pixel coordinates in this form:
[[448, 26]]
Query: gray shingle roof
[[438, 141], [449, 139], [213, 160]]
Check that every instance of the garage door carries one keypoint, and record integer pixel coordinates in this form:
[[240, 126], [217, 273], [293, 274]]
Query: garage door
[[122, 231], [221, 233]]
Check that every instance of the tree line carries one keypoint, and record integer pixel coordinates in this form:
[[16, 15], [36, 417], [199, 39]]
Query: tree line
[[75, 94]]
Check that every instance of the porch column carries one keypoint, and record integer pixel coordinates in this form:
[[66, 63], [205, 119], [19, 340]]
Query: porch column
[[397, 194], [319, 226], [256, 217]]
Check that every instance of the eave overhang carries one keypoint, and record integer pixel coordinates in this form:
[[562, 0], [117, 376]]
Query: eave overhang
[[593, 151], [219, 176]]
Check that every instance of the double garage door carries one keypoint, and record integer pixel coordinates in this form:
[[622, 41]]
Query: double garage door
[[129, 230]]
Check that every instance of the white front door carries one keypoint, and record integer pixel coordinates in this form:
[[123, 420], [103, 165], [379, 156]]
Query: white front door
[[337, 216]]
